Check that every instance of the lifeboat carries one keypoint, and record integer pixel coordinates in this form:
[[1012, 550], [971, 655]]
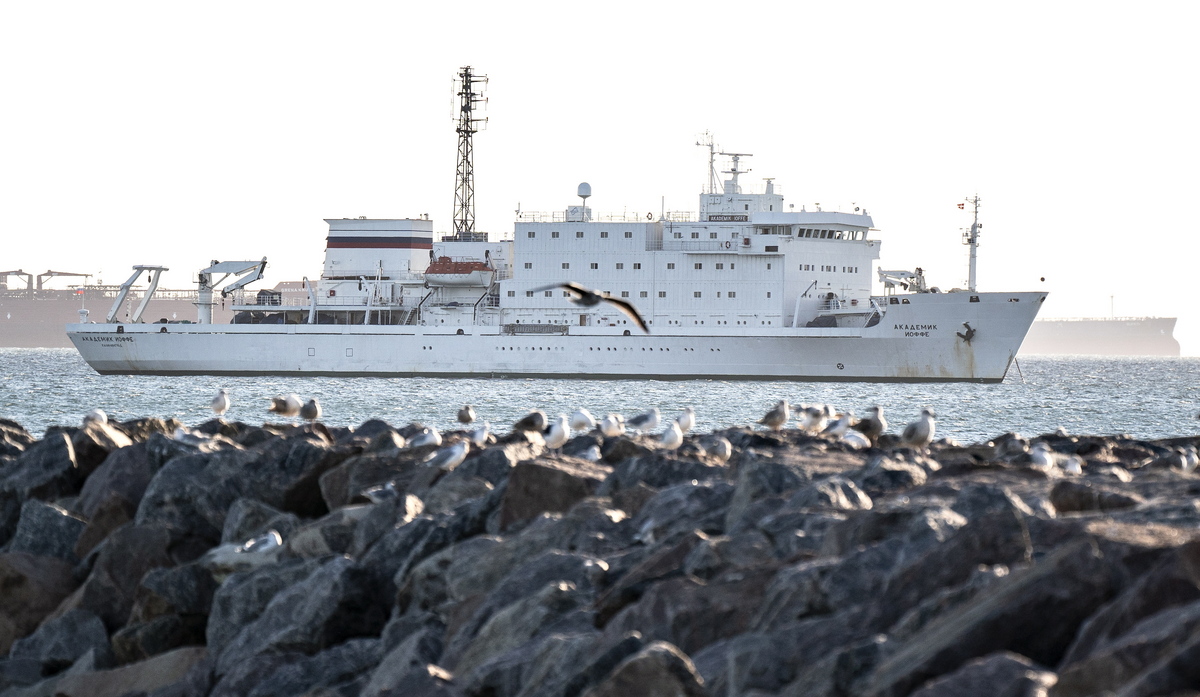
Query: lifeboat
[[447, 271]]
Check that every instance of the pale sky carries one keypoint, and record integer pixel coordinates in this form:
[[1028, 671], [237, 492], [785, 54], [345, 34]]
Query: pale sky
[[178, 133]]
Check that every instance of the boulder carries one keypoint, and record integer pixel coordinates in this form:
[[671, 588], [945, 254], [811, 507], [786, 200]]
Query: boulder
[[242, 598], [123, 476], [333, 666], [657, 469], [667, 561], [836, 493], [46, 471], [887, 474], [331, 534], [452, 490], [32, 588], [14, 439], [1070, 496], [249, 518], [122, 560], [1004, 674], [682, 508], [659, 670], [548, 484], [61, 641], [94, 442], [47, 530], [336, 602], [346, 481], [140, 430], [414, 651], [140, 640], [144, 677], [111, 515]]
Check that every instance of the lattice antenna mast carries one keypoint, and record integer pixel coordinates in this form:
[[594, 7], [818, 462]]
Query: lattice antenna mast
[[470, 95]]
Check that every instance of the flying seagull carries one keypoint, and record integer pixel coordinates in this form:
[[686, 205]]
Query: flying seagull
[[587, 297]]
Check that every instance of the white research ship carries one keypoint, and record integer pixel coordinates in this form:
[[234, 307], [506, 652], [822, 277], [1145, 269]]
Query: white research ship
[[745, 289]]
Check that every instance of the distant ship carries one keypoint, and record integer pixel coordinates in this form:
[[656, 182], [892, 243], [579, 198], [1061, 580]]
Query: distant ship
[[1102, 336], [32, 316]]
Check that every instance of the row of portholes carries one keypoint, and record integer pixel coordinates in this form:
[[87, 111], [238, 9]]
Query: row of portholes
[[532, 348]]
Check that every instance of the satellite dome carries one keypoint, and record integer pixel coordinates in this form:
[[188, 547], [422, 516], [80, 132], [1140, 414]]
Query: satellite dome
[[585, 190]]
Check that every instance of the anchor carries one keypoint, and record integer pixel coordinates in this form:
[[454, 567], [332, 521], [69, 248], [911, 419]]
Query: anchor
[[970, 333]]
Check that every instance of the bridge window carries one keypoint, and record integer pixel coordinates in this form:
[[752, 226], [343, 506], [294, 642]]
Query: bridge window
[[637, 266], [641, 294], [628, 235], [720, 266], [603, 235], [733, 293], [699, 266], [712, 235], [594, 265], [579, 234], [512, 293], [566, 264], [695, 294], [662, 293], [529, 293], [620, 265], [624, 294], [695, 235], [670, 265], [554, 234], [532, 234], [529, 265]]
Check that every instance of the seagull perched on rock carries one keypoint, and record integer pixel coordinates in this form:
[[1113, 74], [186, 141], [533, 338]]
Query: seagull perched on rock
[[558, 433], [839, 426], [686, 420], [778, 416], [671, 438], [479, 436], [592, 454], [613, 425], [1041, 456], [856, 440], [288, 406], [644, 422], [466, 415], [582, 420], [311, 410], [872, 425], [220, 403], [919, 434], [1073, 464], [449, 457], [533, 421], [717, 447], [587, 297], [95, 416], [427, 436]]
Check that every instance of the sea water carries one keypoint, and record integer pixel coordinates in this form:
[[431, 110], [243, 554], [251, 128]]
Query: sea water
[[1143, 397]]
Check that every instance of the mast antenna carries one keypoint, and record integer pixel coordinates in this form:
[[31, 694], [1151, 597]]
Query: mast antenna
[[706, 141], [731, 185], [470, 94], [971, 239]]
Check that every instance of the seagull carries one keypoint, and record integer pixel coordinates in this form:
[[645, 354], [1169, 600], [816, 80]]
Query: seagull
[[533, 421], [220, 403], [559, 432], [1073, 464], [285, 406], [1190, 458], [777, 417], [587, 297], [95, 415], [856, 440], [428, 436], [311, 411], [1041, 456], [645, 422], [812, 417], [592, 454], [384, 492], [479, 436], [717, 447], [873, 425], [613, 425], [671, 438], [582, 420], [449, 457], [466, 415], [839, 427], [919, 434], [687, 420]]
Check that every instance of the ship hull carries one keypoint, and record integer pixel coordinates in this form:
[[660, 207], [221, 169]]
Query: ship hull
[[915, 342]]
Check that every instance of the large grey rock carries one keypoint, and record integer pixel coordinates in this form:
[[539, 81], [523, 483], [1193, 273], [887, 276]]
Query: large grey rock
[[249, 518], [135, 679], [140, 640], [658, 469], [32, 588], [123, 476], [345, 482], [47, 530], [331, 534], [61, 641], [332, 666], [548, 484], [667, 561], [46, 470], [682, 508], [417, 648], [121, 562], [659, 670], [94, 442], [239, 601], [1003, 674], [1072, 496], [338, 601]]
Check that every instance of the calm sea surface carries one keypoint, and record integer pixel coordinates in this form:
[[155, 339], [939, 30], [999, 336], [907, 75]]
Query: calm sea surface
[[1144, 397]]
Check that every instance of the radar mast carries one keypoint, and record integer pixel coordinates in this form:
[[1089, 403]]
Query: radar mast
[[971, 238], [469, 95]]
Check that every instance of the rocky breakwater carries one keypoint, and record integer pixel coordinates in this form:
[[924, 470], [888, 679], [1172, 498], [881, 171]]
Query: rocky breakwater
[[143, 559]]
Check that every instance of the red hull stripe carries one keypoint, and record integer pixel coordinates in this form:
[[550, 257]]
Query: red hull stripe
[[378, 243]]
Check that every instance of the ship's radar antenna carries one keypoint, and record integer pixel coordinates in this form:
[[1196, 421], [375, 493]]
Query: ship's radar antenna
[[706, 141], [971, 239], [470, 95], [731, 185]]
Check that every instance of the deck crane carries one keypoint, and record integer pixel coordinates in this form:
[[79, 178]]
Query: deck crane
[[51, 274], [247, 271], [28, 278]]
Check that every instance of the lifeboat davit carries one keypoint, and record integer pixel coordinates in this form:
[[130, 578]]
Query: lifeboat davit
[[445, 271]]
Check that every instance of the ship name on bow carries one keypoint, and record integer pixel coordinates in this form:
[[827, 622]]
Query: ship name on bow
[[916, 329]]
